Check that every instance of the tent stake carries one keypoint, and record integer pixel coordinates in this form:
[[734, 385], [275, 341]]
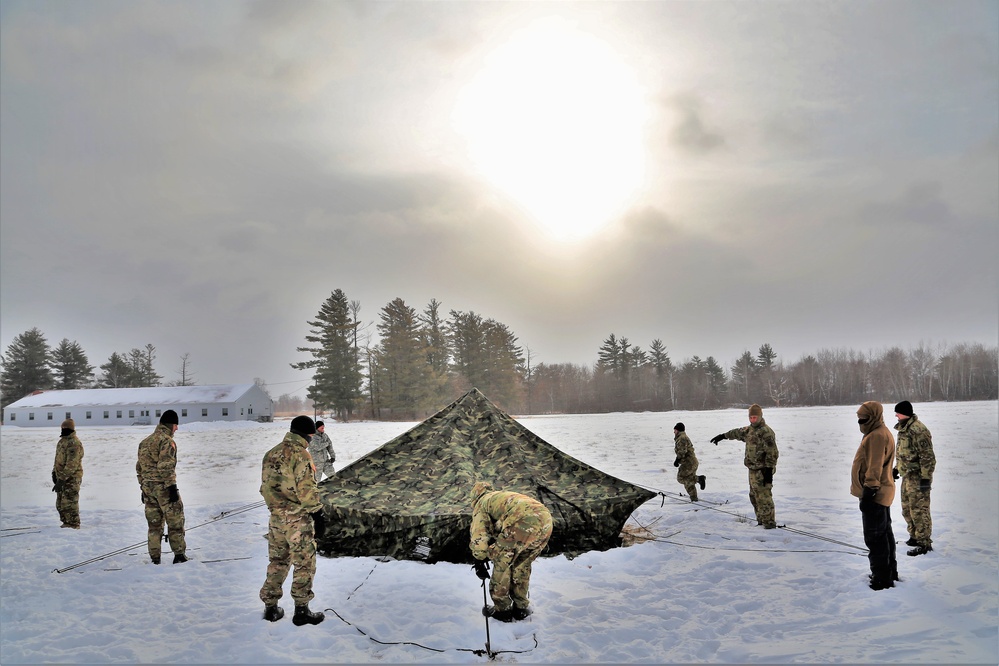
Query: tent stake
[[485, 603]]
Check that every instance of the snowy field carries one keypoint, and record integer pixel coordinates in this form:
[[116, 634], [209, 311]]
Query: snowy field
[[713, 587]]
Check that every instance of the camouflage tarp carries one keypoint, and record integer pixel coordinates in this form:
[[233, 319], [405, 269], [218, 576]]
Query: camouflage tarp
[[410, 498]]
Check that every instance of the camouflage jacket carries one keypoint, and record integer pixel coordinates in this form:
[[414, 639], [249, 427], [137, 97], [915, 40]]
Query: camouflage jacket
[[684, 449], [68, 458], [761, 445], [914, 452], [157, 461], [321, 449], [495, 512], [872, 463], [288, 477]]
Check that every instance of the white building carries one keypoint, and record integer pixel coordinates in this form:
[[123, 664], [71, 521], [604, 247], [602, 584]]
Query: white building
[[141, 406]]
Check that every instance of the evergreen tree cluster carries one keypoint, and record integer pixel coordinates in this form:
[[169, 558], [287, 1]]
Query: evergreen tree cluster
[[30, 364], [423, 360]]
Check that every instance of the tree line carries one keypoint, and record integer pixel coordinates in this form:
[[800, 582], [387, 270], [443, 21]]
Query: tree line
[[422, 360], [31, 364]]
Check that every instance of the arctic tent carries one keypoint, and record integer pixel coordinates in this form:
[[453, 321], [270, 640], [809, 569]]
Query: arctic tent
[[411, 497]]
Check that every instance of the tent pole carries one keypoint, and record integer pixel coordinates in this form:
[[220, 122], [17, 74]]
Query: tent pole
[[489, 650]]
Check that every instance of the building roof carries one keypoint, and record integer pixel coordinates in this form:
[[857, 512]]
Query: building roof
[[151, 395]]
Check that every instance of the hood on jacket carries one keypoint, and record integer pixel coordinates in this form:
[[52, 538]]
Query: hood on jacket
[[480, 489], [873, 412]]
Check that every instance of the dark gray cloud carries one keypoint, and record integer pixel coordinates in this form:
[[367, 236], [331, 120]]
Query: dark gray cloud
[[201, 178]]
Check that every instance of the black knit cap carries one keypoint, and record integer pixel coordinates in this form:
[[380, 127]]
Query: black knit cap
[[904, 407], [319, 424], [169, 418], [303, 425], [680, 427]]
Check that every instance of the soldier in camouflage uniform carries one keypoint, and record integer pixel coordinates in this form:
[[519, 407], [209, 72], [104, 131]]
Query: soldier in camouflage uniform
[[321, 450], [67, 475], [156, 470], [510, 529], [288, 484], [915, 463], [761, 461], [686, 461]]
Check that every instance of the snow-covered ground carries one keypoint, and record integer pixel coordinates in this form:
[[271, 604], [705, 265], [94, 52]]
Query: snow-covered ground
[[714, 587]]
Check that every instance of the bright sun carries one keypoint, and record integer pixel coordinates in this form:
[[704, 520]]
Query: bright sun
[[555, 119]]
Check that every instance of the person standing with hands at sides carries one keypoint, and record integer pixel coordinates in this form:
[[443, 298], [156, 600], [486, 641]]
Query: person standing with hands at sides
[[871, 481], [321, 450], [67, 475], [915, 463], [512, 530], [288, 484], [686, 461], [761, 461], [156, 470]]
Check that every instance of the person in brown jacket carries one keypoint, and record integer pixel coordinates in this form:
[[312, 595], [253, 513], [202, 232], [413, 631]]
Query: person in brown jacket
[[871, 480]]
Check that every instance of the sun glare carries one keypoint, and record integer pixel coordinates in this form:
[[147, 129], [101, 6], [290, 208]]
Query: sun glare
[[555, 119]]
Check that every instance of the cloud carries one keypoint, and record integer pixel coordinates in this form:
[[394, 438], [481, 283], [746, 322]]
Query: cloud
[[691, 133]]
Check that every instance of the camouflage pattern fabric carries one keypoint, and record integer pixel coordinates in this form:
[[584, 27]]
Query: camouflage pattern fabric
[[761, 452], [511, 530], [67, 469], [288, 485], [159, 510], [156, 470], [686, 475], [291, 542], [323, 455], [915, 461], [157, 459], [408, 499]]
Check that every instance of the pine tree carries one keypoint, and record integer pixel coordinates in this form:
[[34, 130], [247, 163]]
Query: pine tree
[[337, 371], [70, 366], [404, 376], [744, 377], [664, 371], [432, 332], [485, 355], [117, 373], [25, 366]]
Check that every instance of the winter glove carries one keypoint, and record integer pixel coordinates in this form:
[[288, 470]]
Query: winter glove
[[319, 520], [924, 484], [57, 487], [174, 495], [481, 569], [717, 438], [54, 479], [867, 500], [676, 463], [144, 497], [894, 473], [768, 475]]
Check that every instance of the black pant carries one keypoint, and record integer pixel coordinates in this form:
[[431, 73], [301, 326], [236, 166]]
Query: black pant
[[880, 541]]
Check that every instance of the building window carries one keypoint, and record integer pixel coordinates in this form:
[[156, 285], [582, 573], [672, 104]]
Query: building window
[[158, 413], [31, 416], [183, 412], [50, 416], [107, 414], [118, 414], [88, 415], [13, 416], [251, 409], [143, 412], [225, 411], [204, 411], [68, 415], [131, 413], [242, 411]]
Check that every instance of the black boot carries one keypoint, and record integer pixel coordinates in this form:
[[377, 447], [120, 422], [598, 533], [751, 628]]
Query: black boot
[[273, 613], [912, 542], [155, 559], [521, 613], [304, 616], [702, 480], [179, 558], [501, 615], [919, 550]]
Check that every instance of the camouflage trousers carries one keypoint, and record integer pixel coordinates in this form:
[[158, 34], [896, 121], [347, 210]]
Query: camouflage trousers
[[291, 542], [761, 495], [686, 476], [513, 555], [160, 510], [68, 503], [916, 510]]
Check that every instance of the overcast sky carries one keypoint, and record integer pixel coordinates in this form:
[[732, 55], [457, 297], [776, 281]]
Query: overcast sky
[[201, 176]]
